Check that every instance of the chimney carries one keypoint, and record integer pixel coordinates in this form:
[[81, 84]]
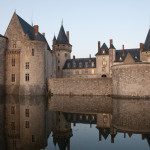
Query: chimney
[[67, 33], [98, 45], [90, 56], [73, 57], [36, 29], [123, 49], [112, 139], [111, 42], [141, 47]]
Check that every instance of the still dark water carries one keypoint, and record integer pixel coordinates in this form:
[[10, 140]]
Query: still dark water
[[74, 123]]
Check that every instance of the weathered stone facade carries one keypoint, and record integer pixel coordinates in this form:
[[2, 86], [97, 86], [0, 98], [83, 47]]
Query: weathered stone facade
[[80, 86], [131, 80]]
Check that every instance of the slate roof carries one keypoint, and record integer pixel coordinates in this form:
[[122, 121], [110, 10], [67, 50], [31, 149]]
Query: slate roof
[[28, 29], [103, 47], [146, 46], [135, 53], [80, 60], [62, 38], [112, 47], [54, 38]]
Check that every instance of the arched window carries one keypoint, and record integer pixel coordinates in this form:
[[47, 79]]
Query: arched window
[[104, 76]]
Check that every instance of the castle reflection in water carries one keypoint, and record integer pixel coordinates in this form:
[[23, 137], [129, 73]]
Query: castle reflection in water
[[28, 122]]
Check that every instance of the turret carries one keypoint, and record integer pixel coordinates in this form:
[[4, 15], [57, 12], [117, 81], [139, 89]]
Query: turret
[[62, 49]]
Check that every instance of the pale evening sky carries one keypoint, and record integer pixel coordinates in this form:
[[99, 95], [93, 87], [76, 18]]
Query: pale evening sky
[[125, 21]]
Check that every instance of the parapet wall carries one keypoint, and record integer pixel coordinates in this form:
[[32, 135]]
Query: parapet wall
[[131, 80], [80, 86]]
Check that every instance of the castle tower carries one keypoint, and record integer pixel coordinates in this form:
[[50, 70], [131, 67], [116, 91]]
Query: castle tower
[[102, 61], [62, 49], [112, 55], [3, 46], [145, 55]]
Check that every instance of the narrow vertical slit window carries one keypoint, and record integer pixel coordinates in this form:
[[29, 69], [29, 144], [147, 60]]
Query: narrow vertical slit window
[[13, 78], [27, 77], [13, 62], [32, 52], [27, 112]]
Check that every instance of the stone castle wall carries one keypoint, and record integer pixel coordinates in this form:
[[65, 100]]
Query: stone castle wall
[[131, 80], [2, 64], [80, 86]]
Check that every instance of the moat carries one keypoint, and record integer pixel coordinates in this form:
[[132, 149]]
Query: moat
[[74, 123]]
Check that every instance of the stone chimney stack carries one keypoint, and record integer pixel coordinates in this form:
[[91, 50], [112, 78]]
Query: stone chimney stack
[[99, 45], [73, 57], [141, 47], [43, 34], [36, 30], [111, 42], [123, 49], [67, 33], [90, 56]]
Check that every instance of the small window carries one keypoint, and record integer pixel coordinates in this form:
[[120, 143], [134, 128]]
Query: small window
[[13, 62], [103, 51], [12, 125], [74, 64], [66, 55], [104, 62], [93, 64], [58, 61], [13, 78], [33, 138], [80, 64], [27, 112], [32, 52], [13, 110], [58, 68], [58, 54], [27, 65], [27, 77], [68, 65], [14, 144], [27, 124], [120, 58], [135, 56], [86, 64]]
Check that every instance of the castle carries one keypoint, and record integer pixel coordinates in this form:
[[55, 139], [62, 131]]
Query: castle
[[28, 64]]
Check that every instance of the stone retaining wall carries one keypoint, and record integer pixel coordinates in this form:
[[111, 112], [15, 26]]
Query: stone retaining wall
[[80, 86]]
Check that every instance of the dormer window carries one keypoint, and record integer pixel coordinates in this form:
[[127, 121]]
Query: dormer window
[[103, 51], [68, 65], [120, 58], [74, 64], [80, 64], [135, 56], [93, 64], [86, 64]]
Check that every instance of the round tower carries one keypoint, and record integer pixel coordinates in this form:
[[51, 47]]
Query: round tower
[[62, 49], [3, 42]]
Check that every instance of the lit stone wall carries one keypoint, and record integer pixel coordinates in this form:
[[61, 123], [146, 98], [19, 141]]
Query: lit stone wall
[[131, 80], [2, 64], [80, 86]]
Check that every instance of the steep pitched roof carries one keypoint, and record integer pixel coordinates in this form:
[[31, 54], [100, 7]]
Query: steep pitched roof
[[135, 53], [103, 47], [112, 47], [146, 46], [85, 63], [62, 38], [54, 38]]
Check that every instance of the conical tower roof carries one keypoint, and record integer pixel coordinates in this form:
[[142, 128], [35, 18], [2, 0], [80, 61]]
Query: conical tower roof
[[147, 42], [62, 38]]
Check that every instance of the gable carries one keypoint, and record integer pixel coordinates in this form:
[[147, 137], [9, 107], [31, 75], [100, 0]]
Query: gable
[[129, 59], [14, 30]]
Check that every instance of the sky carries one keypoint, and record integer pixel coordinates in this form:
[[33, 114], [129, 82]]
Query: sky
[[88, 21]]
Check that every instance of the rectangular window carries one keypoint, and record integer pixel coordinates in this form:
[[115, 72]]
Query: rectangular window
[[32, 52], [27, 77], [27, 124], [12, 125], [27, 112], [27, 65], [13, 78], [33, 138], [13, 62], [13, 110]]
